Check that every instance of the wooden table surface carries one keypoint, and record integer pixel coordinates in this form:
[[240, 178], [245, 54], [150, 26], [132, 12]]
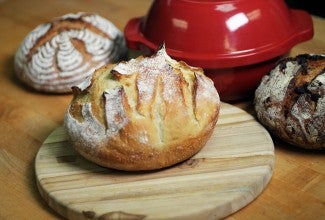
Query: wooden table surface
[[296, 190]]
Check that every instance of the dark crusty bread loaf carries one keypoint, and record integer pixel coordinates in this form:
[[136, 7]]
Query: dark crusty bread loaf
[[148, 113], [290, 101], [60, 54]]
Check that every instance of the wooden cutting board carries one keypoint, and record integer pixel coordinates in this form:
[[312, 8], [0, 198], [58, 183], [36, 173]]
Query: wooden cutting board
[[228, 173]]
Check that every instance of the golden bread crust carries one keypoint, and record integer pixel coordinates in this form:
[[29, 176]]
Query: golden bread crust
[[148, 113]]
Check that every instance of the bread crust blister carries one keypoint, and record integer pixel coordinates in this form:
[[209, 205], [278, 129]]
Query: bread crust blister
[[144, 114]]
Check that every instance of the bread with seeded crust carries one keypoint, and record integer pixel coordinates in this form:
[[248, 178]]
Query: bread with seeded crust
[[290, 101]]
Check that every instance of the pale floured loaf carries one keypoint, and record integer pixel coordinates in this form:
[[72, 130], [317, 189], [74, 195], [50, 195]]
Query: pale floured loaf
[[144, 114], [63, 52], [290, 101]]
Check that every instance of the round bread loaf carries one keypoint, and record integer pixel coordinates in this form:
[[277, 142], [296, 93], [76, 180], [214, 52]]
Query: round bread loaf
[[62, 53], [290, 101], [148, 113]]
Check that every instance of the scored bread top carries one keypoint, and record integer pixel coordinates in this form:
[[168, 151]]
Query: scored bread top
[[60, 54], [143, 106]]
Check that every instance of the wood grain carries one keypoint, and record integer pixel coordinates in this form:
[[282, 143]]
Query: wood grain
[[227, 174]]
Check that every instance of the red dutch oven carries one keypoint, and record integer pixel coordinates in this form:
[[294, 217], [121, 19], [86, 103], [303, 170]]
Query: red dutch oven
[[236, 42]]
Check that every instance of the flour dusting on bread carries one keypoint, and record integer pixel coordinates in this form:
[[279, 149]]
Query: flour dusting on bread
[[155, 111], [62, 53], [290, 101], [116, 117]]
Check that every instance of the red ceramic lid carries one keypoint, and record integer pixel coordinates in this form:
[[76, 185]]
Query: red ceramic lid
[[220, 33]]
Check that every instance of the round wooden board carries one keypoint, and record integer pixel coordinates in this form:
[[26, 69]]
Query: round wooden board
[[228, 173]]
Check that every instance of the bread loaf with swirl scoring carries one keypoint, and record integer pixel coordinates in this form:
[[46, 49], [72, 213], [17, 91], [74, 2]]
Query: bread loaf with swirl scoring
[[63, 52], [290, 101], [144, 114]]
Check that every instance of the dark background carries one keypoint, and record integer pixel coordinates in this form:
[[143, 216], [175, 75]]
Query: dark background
[[312, 6]]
